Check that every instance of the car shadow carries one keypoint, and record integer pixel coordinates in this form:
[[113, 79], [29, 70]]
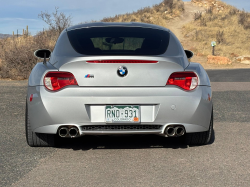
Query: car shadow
[[121, 142], [85, 143]]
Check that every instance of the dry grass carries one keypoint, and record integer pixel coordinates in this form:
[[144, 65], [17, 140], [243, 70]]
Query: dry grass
[[222, 23], [16, 54], [158, 14]]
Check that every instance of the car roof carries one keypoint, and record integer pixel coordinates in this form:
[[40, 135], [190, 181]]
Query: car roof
[[116, 24]]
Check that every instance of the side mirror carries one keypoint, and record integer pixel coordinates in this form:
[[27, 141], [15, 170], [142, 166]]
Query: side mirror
[[189, 54], [42, 53]]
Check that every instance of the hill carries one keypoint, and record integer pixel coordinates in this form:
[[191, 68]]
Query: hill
[[159, 14], [4, 35], [197, 23], [219, 22]]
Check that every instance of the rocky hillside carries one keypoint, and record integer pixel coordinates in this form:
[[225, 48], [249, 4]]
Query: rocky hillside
[[222, 23], [159, 14]]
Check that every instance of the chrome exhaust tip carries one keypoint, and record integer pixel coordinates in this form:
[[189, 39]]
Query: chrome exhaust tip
[[179, 131], [73, 132], [170, 131], [63, 132]]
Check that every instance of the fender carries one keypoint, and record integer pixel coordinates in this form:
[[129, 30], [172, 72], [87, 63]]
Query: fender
[[203, 76]]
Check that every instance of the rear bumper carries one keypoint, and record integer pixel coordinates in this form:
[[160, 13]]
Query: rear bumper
[[80, 106]]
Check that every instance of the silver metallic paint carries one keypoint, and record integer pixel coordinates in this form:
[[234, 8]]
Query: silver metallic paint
[[145, 86], [73, 105]]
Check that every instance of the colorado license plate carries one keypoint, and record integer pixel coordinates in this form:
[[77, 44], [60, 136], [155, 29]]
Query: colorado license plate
[[121, 113]]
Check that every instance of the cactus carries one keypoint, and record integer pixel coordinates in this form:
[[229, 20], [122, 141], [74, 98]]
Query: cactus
[[27, 30]]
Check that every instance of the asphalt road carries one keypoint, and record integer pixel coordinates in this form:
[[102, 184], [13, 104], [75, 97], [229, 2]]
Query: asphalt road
[[132, 160]]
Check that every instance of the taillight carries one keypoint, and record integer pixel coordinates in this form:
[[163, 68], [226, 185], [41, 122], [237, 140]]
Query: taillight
[[185, 80], [57, 80], [122, 61]]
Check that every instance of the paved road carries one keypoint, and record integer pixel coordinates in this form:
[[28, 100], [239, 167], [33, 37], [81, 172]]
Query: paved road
[[230, 75], [135, 160]]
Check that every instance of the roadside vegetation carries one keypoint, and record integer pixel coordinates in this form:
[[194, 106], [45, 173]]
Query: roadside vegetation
[[16, 54], [225, 24]]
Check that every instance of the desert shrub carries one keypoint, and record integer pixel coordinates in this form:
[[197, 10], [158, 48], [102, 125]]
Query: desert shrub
[[157, 7], [233, 11], [203, 22], [18, 54], [244, 19], [197, 33], [224, 17], [220, 37], [169, 4], [17, 58], [209, 10], [197, 16]]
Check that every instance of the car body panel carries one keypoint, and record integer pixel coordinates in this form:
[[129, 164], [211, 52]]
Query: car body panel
[[38, 72], [155, 74], [74, 105], [201, 72]]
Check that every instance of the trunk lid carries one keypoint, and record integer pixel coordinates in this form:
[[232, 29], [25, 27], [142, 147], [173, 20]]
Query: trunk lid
[[107, 74]]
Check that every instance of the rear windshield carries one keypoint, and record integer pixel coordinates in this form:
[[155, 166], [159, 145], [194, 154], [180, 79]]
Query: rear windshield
[[119, 41]]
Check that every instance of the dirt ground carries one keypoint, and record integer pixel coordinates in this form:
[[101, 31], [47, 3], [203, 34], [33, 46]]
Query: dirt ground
[[203, 62]]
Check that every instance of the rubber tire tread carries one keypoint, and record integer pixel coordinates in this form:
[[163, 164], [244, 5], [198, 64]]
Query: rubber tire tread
[[200, 138], [37, 139]]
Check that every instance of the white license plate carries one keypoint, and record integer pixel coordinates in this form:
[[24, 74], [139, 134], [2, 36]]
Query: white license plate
[[122, 113]]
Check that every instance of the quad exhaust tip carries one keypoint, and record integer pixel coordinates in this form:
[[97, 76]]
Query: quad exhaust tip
[[179, 131], [63, 132], [68, 132], [175, 131], [170, 131], [73, 132]]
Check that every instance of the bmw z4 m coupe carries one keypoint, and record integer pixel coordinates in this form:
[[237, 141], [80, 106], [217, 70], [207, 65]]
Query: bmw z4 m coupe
[[118, 78]]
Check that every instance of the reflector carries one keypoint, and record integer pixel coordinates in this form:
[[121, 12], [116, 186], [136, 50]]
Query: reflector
[[31, 97]]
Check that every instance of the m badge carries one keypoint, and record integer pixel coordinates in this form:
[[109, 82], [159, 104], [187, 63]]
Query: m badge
[[89, 76]]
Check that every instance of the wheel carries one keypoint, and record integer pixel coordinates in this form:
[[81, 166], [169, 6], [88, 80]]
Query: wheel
[[37, 139], [200, 138]]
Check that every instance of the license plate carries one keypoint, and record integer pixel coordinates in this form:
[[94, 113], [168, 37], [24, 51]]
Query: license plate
[[118, 114]]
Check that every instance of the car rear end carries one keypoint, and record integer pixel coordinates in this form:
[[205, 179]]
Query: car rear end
[[121, 79]]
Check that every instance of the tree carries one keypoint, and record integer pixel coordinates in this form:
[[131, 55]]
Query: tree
[[57, 21]]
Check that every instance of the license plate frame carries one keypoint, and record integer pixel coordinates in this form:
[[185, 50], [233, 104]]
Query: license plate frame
[[133, 117]]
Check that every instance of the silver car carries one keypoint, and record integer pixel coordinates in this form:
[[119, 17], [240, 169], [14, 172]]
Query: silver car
[[118, 78]]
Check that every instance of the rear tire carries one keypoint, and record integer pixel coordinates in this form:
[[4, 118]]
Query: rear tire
[[200, 138], [37, 139]]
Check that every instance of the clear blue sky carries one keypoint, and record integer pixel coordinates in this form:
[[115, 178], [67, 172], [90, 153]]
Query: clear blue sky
[[16, 14]]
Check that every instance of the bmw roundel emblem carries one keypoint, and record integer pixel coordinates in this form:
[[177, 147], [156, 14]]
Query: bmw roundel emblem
[[122, 71]]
